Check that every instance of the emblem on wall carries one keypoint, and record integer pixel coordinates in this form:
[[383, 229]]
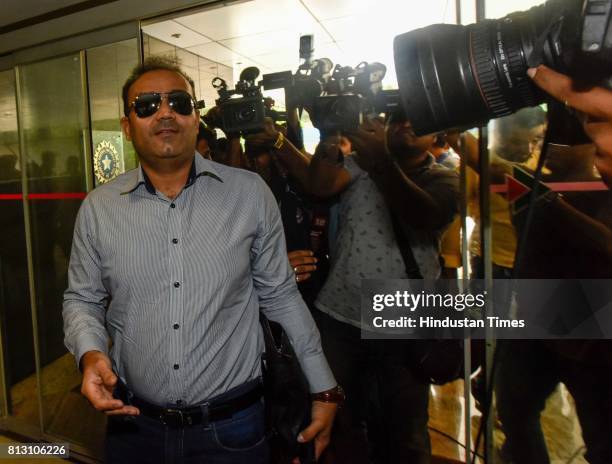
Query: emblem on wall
[[106, 161]]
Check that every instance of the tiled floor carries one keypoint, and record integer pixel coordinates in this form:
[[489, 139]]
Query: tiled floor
[[69, 415]]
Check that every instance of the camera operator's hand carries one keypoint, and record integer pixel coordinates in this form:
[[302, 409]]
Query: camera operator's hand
[[596, 105], [369, 143], [266, 138], [213, 119]]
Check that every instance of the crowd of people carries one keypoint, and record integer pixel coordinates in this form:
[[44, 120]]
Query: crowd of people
[[174, 260]]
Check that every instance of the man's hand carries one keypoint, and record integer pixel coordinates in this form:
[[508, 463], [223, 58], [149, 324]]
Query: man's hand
[[320, 427], [213, 118], [595, 103], [369, 143], [266, 138], [303, 264], [98, 382]]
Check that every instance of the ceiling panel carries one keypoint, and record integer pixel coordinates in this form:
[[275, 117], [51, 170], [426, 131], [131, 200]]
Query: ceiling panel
[[215, 52], [325, 9], [249, 18], [167, 30], [264, 43]]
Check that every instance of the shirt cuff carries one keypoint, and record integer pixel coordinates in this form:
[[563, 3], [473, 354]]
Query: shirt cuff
[[89, 342], [318, 373]]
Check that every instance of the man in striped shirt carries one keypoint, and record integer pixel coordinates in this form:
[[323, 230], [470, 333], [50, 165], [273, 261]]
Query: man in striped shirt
[[172, 262]]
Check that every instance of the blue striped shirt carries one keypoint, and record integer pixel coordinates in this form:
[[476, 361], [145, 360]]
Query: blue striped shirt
[[177, 284]]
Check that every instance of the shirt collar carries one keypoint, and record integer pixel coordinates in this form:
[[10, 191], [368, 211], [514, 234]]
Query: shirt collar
[[199, 167]]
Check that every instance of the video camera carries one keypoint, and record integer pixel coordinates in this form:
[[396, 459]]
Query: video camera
[[462, 76], [336, 97], [244, 114]]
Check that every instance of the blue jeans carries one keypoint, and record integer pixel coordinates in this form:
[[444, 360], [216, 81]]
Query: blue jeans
[[237, 440]]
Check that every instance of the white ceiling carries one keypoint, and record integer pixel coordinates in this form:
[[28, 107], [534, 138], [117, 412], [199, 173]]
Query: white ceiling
[[266, 32]]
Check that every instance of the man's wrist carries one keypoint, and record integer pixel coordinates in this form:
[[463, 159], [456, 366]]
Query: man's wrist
[[88, 356], [333, 395]]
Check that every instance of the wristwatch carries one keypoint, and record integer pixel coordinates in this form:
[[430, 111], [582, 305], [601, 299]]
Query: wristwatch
[[333, 395], [280, 141]]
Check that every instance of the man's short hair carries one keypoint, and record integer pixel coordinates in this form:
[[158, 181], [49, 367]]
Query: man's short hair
[[526, 118], [153, 63]]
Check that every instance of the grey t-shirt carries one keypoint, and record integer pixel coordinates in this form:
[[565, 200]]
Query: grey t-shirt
[[366, 247]]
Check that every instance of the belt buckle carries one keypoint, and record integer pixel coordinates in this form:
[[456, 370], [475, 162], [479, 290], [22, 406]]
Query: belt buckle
[[175, 418]]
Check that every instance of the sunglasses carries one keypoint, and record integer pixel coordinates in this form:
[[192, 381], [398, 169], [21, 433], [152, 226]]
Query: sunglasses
[[147, 104]]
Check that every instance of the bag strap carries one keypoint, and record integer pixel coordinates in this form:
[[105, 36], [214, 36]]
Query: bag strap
[[412, 268]]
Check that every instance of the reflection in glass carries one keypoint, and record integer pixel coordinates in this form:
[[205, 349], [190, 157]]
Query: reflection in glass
[[108, 67], [53, 149], [15, 310]]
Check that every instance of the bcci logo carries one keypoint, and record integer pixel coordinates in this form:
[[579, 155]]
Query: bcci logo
[[106, 162]]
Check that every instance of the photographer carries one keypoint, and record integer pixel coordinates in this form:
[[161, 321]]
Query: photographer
[[230, 152], [391, 178], [285, 169]]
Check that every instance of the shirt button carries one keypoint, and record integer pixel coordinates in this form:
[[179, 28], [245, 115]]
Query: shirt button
[[177, 284], [175, 240], [176, 366], [175, 326], [172, 205]]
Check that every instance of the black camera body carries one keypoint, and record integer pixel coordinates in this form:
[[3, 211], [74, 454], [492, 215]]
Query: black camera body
[[242, 115], [246, 113], [462, 76]]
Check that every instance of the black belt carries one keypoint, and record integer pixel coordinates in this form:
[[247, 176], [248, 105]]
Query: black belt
[[206, 412]]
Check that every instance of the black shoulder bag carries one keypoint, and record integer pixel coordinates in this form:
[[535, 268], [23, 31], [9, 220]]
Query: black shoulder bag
[[287, 397]]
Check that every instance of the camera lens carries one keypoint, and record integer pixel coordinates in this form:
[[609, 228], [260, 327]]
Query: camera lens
[[246, 114], [453, 76]]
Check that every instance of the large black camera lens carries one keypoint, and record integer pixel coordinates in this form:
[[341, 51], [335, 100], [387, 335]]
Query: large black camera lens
[[337, 113], [454, 76]]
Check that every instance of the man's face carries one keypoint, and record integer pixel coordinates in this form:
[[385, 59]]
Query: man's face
[[165, 135], [519, 143], [402, 140]]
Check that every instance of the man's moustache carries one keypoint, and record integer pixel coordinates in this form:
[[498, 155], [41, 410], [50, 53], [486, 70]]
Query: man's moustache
[[165, 125]]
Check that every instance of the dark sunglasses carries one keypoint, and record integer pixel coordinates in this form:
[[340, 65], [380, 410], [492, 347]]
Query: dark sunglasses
[[147, 104]]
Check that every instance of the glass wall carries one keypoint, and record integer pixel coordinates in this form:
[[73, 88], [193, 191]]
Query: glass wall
[[48, 155], [18, 361], [538, 396], [53, 146]]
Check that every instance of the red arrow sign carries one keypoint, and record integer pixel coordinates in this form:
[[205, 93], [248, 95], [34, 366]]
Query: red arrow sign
[[515, 189]]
